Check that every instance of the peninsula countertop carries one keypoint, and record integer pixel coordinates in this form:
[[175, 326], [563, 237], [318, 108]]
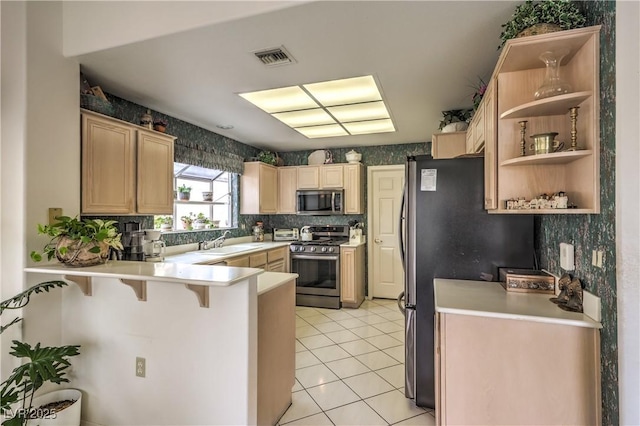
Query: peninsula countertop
[[490, 299]]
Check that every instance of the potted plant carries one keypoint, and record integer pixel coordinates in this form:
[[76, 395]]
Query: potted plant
[[164, 223], [267, 157], [207, 196], [201, 221], [540, 17], [160, 124], [184, 192], [187, 221], [455, 120], [76, 242], [39, 366]]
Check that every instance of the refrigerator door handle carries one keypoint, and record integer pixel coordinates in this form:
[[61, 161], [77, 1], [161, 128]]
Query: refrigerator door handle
[[410, 355], [401, 236], [400, 303]]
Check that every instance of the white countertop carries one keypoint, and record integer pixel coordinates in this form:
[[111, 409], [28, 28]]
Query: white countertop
[[199, 257], [490, 299], [353, 244]]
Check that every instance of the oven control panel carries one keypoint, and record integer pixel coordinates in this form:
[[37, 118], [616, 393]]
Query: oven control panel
[[314, 249]]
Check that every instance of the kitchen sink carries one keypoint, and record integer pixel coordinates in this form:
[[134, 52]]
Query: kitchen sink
[[236, 248]]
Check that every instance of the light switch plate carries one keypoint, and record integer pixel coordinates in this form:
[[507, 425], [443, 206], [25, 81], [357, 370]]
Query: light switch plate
[[566, 257]]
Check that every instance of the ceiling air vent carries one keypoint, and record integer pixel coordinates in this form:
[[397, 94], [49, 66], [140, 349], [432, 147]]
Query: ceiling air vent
[[274, 56]]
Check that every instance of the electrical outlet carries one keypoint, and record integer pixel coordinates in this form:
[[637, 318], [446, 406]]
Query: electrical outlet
[[141, 367], [599, 258]]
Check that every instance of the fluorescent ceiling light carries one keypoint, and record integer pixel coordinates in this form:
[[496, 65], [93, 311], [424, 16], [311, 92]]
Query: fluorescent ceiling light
[[308, 117], [346, 91], [278, 100], [350, 106], [359, 112], [375, 126], [328, 131]]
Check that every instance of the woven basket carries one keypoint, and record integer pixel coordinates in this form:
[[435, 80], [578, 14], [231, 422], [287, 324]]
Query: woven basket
[[78, 253], [94, 103], [537, 29]]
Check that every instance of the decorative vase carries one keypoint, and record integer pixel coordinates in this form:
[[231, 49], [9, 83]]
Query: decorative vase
[[207, 196], [79, 254], [159, 128], [458, 126], [69, 416], [552, 85]]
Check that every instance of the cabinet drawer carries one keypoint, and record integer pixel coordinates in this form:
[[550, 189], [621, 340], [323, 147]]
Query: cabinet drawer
[[277, 266], [258, 260], [276, 254], [240, 262]]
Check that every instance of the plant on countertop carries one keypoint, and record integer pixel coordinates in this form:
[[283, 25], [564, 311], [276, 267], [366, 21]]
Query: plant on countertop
[[455, 116], [44, 364], [159, 221], [76, 242], [187, 221], [563, 13], [202, 221], [267, 157]]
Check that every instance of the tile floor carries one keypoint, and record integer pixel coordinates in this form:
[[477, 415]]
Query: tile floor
[[350, 368]]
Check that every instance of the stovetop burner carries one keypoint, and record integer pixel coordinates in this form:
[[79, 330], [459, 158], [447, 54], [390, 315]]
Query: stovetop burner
[[322, 242], [326, 240]]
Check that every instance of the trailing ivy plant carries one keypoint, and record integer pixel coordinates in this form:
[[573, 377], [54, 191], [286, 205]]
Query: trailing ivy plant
[[563, 13], [43, 364]]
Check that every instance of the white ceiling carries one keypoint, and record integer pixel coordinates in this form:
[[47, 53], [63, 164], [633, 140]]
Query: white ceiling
[[425, 55]]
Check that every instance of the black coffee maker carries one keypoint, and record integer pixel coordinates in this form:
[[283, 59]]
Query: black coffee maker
[[132, 238]]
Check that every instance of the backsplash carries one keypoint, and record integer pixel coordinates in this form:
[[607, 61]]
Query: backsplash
[[595, 232]]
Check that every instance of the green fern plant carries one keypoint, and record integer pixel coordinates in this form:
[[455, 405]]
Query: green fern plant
[[43, 364]]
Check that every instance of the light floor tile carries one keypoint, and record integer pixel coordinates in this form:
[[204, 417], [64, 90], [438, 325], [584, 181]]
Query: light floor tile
[[330, 353], [328, 327], [302, 406], [396, 352], [332, 395], [368, 384], [373, 319], [392, 315], [398, 335], [355, 414], [357, 313], [297, 387], [388, 327], [426, 419], [358, 347], [300, 347], [347, 367], [393, 375], [393, 406], [386, 302], [380, 310], [306, 359], [317, 319], [319, 419], [383, 341], [306, 331], [338, 315], [301, 322], [314, 342], [377, 360], [342, 336], [366, 331], [400, 322], [351, 323], [315, 376], [304, 312]]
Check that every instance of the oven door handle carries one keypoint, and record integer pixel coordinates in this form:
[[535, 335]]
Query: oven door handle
[[312, 257]]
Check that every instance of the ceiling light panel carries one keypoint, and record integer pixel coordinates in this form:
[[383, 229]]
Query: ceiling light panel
[[322, 131], [374, 126], [359, 112], [346, 91], [307, 117], [278, 100]]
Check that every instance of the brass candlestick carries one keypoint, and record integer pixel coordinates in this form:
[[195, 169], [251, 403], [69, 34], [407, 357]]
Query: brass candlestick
[[574, 131], [523, 130]]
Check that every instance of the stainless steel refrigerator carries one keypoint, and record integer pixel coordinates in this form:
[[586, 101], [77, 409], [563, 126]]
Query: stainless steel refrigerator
[[447, 233]]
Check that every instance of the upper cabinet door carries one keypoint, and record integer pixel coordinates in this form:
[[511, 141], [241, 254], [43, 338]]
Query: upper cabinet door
[[308, 177], [108, 166], [331, 176], [287, 185], [353, 192], [155, 173], [268, 190]]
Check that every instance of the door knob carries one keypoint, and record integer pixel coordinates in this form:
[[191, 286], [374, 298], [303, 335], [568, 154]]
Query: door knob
[[377, 241]]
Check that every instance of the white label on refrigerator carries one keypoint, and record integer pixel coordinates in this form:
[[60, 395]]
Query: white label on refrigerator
[[428, 179]]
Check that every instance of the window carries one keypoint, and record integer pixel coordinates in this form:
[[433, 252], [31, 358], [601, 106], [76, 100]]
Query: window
[[210, 200]]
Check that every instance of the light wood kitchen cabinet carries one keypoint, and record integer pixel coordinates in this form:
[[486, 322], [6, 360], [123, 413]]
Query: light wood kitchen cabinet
[[278, 260], [352, 276], [515, 371], [448, 145], [490, 147], [308, 177], [287, 186], [258, 260], [469, 140], [518, 74], [353, 188], [240, 262], [259, 189], [125, 169], [331, 176], [478, 128], [274, 260]]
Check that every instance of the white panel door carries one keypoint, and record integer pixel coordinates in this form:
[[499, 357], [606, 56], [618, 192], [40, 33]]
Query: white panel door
[[386, 276]]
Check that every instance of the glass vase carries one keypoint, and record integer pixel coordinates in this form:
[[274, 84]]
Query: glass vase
[[552, 85]]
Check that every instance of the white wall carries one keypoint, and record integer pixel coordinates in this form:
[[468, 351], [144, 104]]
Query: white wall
[[90, 26], [628, 207]]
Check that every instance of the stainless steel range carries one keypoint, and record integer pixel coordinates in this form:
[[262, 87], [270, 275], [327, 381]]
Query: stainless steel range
[[317, 263]]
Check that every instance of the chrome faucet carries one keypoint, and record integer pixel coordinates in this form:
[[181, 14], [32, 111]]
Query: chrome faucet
[[206, 245]]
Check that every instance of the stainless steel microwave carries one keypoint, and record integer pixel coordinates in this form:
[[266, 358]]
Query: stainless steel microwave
[[320, 201]]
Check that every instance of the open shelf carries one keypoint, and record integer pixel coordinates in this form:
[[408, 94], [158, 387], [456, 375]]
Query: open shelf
[[554, 105], [543, 211], [553, 158], [195, 202]]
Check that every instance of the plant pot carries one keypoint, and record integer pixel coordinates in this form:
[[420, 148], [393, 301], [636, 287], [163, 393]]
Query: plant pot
[[159, 128], [187, 226], [207, 196], [199, 225], [184, 196], [69, 416], [458, 126], [165, 227], [78, 253]]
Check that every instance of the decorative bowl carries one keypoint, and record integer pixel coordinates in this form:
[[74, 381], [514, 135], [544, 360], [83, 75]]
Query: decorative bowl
[[353, 157]]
